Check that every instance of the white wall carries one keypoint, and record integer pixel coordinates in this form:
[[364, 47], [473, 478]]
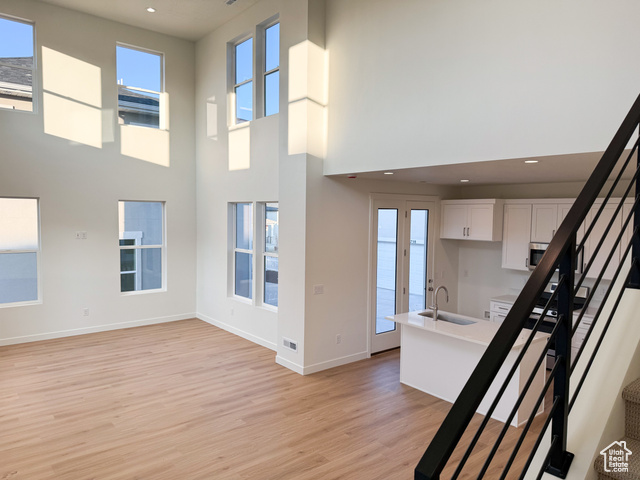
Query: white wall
[[418, 83], [223, 176], [79, 173], [338, 258]]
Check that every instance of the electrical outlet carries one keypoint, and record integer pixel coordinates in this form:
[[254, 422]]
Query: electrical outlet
[[85, 312], [318, 289], [487, 314], [338, 339], [231, 312]]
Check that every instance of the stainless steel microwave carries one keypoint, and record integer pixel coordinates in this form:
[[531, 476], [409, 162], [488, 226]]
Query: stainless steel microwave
[[536, 251]]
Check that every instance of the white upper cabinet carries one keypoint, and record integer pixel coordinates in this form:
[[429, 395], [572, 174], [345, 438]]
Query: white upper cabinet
[[544, 222], [471, 219], [454, 220], [515, 236]]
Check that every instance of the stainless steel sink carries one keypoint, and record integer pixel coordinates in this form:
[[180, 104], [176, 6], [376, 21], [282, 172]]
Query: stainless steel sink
[[449, 317]]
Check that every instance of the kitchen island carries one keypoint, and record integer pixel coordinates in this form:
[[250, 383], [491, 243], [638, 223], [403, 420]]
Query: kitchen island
[[438, 357]]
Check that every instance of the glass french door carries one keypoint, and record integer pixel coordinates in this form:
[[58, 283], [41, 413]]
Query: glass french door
[[401, 264]]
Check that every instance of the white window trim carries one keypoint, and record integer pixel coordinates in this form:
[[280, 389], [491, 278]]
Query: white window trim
[[234, 249], [138, 237], [262, 61], [37, 301], [163, 120], [265, 254], [234, 85], [34, 79]]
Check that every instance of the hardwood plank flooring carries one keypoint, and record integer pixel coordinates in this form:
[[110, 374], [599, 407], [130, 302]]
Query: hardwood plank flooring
[[186, 400]]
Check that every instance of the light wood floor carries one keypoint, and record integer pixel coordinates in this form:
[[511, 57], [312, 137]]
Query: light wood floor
[[188, 401]]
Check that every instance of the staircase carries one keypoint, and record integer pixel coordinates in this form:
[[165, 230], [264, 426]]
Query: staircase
[[631, 397]]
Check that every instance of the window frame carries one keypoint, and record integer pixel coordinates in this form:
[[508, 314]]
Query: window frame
[[38, 252], [235, 85], [126, 235], [263, 66], [162, 114], [235, 249], [265, 254], [35, 90]]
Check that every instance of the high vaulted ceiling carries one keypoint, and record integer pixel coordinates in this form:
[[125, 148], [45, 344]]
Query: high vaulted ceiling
[[188, 19]]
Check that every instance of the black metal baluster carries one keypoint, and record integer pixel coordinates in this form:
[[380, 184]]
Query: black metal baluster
[[560, 459]]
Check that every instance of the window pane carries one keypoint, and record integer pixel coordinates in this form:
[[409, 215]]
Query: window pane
[[244, 103], [271, 228], [18, 277], [272, 47], [272, 93], [418, 260], [141, 222], [386, 271], [271, 281], [16, 39], [18, 224], [138, 108], [128, 282], [16, 65], [244, 226], [128, 260], [244, 61], [244, 274], [142, 269], [139, 69]]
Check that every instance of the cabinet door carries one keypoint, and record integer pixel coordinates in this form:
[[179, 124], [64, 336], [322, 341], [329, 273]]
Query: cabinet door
[[497, 317], [563, 210], [454, 221], [594, 238], [480, 222], [544, 222], [515, 236]]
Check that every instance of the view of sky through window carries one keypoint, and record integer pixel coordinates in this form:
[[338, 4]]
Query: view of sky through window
[[272, 44], [139, 69], [16, 39]]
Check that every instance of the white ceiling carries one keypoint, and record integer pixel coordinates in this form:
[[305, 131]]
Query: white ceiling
[[188, 19], [552, 169]]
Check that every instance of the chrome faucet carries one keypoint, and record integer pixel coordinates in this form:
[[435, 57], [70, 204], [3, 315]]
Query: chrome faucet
[[434, 307]]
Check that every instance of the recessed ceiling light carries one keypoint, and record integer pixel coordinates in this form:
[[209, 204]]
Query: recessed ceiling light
[[464, 180], [531, 161], [388, 173], [151, 10]]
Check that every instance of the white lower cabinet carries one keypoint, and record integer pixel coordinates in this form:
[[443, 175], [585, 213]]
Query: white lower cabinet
[[498, 311]]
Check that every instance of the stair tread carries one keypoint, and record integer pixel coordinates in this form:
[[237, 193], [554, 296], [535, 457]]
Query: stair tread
[[634, 463], [631, 392]]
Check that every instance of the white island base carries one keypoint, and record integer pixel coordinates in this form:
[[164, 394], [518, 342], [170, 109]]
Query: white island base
[[439, 357]]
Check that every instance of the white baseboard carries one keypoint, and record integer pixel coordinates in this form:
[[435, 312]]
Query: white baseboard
[[336, 362], [236, 331], [97, 328], [290, 365], [318, 367]]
